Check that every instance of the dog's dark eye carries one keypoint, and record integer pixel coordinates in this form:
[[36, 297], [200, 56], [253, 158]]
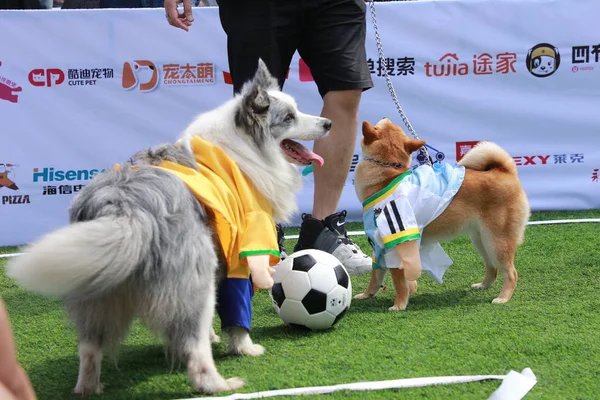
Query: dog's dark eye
[[289, 118]]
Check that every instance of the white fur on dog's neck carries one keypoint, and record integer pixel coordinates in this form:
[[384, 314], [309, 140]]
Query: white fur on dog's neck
[[275, 178]]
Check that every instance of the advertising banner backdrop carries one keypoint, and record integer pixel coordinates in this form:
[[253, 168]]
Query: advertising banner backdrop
[[81, 90]]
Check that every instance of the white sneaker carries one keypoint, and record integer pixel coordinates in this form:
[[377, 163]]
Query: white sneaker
[[330, 235]]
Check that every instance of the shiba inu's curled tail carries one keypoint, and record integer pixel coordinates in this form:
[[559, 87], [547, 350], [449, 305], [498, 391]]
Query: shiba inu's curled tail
[[82, 259], [488, 155]]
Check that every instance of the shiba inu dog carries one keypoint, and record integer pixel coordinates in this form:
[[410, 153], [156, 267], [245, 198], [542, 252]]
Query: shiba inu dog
[[407, 213]]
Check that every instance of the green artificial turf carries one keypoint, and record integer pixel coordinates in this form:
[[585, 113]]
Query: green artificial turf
[[551, 325]]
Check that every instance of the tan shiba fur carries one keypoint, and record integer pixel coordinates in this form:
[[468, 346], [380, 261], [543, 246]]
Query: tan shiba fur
[[491, 206]]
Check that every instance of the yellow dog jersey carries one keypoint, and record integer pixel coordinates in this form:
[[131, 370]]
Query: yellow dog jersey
[[243, 216]]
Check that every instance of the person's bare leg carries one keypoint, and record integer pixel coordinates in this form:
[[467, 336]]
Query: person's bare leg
[[337, 148], [13, 378], [324, 229]]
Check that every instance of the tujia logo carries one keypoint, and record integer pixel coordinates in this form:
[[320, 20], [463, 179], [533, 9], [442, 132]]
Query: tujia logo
[[450, 64]]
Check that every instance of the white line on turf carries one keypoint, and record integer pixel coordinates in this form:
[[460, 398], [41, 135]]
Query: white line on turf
[[514, 386]]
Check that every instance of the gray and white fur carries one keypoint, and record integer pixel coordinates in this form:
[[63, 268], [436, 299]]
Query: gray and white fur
[[140, 244]]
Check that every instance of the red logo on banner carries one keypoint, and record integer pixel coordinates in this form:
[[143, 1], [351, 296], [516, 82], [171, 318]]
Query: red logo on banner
[[227, 78], [132, 72], [531, 160], [188, 74], [574, 158], [481, 64], [305, 74], [462, 148], [9, 89], [46, 77], [303, 71], [595, 175]]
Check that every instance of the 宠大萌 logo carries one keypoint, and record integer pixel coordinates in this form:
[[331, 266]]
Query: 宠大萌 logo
[[146, 75]]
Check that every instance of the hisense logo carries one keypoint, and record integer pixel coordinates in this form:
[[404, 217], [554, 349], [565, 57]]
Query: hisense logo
[[52, 175]]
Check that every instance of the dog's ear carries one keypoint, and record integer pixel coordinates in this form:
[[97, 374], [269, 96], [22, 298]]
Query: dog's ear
[[412, 145], [255, 97], [253, 112], [370, 133], [256, 101], [263, 77]]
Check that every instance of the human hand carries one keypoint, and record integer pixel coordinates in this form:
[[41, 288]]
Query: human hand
[[176, 19], [260, 271]]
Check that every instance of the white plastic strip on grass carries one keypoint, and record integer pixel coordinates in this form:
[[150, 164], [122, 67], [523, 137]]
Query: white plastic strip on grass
[[10, 255], [514, 386], [549, 222]]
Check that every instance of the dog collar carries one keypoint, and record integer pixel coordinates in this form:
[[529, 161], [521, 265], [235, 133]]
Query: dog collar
[[383, 163]]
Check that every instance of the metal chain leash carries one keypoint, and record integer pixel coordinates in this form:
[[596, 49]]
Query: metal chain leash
[[390, 86]]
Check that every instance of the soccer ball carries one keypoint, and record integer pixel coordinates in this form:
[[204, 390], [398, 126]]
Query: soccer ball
[[312, 289]]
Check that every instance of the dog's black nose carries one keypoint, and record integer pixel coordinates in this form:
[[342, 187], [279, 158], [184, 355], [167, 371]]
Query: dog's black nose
[[327, 125]]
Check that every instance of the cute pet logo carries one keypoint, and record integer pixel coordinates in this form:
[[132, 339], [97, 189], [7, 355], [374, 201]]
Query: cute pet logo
[[142, 73], [542, 60], [46, 77]]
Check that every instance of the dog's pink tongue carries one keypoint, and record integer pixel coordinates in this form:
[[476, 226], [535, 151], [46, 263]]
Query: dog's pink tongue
[[304, 152], [314, 157]]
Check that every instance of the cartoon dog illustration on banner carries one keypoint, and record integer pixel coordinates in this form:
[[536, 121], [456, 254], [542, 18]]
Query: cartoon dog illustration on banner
[[543, 60]]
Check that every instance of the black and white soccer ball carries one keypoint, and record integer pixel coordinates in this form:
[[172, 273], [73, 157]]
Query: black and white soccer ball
[[312, 289]]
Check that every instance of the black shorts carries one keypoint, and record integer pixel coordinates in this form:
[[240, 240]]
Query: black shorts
[[328, 34]]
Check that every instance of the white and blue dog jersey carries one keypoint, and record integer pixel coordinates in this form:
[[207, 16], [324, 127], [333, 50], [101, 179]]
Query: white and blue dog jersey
[[400, 211]]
